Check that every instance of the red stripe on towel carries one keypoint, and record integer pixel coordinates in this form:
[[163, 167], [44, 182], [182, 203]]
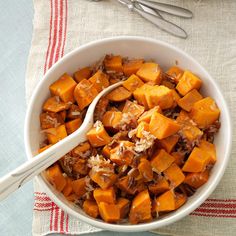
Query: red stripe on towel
[[49, 38]]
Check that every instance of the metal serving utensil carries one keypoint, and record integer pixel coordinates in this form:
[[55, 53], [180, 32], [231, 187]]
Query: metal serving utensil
[[155, 18]]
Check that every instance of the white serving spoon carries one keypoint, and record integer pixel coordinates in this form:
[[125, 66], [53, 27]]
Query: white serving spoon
[[25, 172]]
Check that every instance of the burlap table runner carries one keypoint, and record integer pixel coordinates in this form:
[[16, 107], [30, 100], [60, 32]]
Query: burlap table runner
[[62, 25]]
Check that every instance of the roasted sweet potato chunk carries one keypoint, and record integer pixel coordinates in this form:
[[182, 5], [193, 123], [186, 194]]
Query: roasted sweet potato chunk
[[141, 208], [150, 72], [64, 88], [205, 112], [73, 125], [132, 66], [91, 208], [109, 212], [55, 177], [98, 136], [119, 94], [104, 195], [132, 83], [50, 120], [166, 202], [84, 93], [161, 161], [113, 63], [54, 135], [188, 82], [197, 161], [81, 74], [54, 104], [162, 127], [99, 80]]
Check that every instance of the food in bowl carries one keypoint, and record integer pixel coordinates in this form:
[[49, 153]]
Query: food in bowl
[[150, 148]]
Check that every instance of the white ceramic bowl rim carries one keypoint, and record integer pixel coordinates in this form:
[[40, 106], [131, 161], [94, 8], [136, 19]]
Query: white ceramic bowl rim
[[145, 226]]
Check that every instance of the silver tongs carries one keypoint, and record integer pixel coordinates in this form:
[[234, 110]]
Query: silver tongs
[[150, 11]]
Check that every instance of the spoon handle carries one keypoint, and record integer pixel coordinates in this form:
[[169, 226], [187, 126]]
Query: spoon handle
[[171, 9], [25, 172], [161, 23]]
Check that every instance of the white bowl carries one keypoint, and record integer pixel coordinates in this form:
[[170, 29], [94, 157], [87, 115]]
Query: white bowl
[[134, 47]]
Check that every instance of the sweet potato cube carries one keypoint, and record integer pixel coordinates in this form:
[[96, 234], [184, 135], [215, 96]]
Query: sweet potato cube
[[205, 112], [54, 104], [197, 161], [139, 94], [113, 63], [105, 195], [146, 116], [169, 142], [73, 125], [179, 158], [123, 153], [79, 186], [55, 177], [132, 83], [54, 135], [81, 74], [180, 199], [67, 190], [124, 184], [123, 205], [174, 174], [161, 161], [210, 148], [141, 208], [159, 187], [84, 93], [111, 119], [160, 96], [99, 80], [103, 179], [142, 126], [80, 167], [98, 136], [81, 148], [119, 94], [191, 132], [150, 71], [64, 88], [133, 108], [175, 72], [162, 127], [44, 148], [188, 82], [196, 180], [166, 202], [132, 66], [109, 212], [72, 197], [50, 120], [189, 99], [90, 207], [145, 169]]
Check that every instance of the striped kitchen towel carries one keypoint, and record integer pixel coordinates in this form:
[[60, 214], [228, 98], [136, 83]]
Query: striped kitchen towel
[[62, 25]]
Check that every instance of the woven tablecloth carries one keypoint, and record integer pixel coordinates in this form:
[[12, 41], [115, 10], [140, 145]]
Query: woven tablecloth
[[62, 25]]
